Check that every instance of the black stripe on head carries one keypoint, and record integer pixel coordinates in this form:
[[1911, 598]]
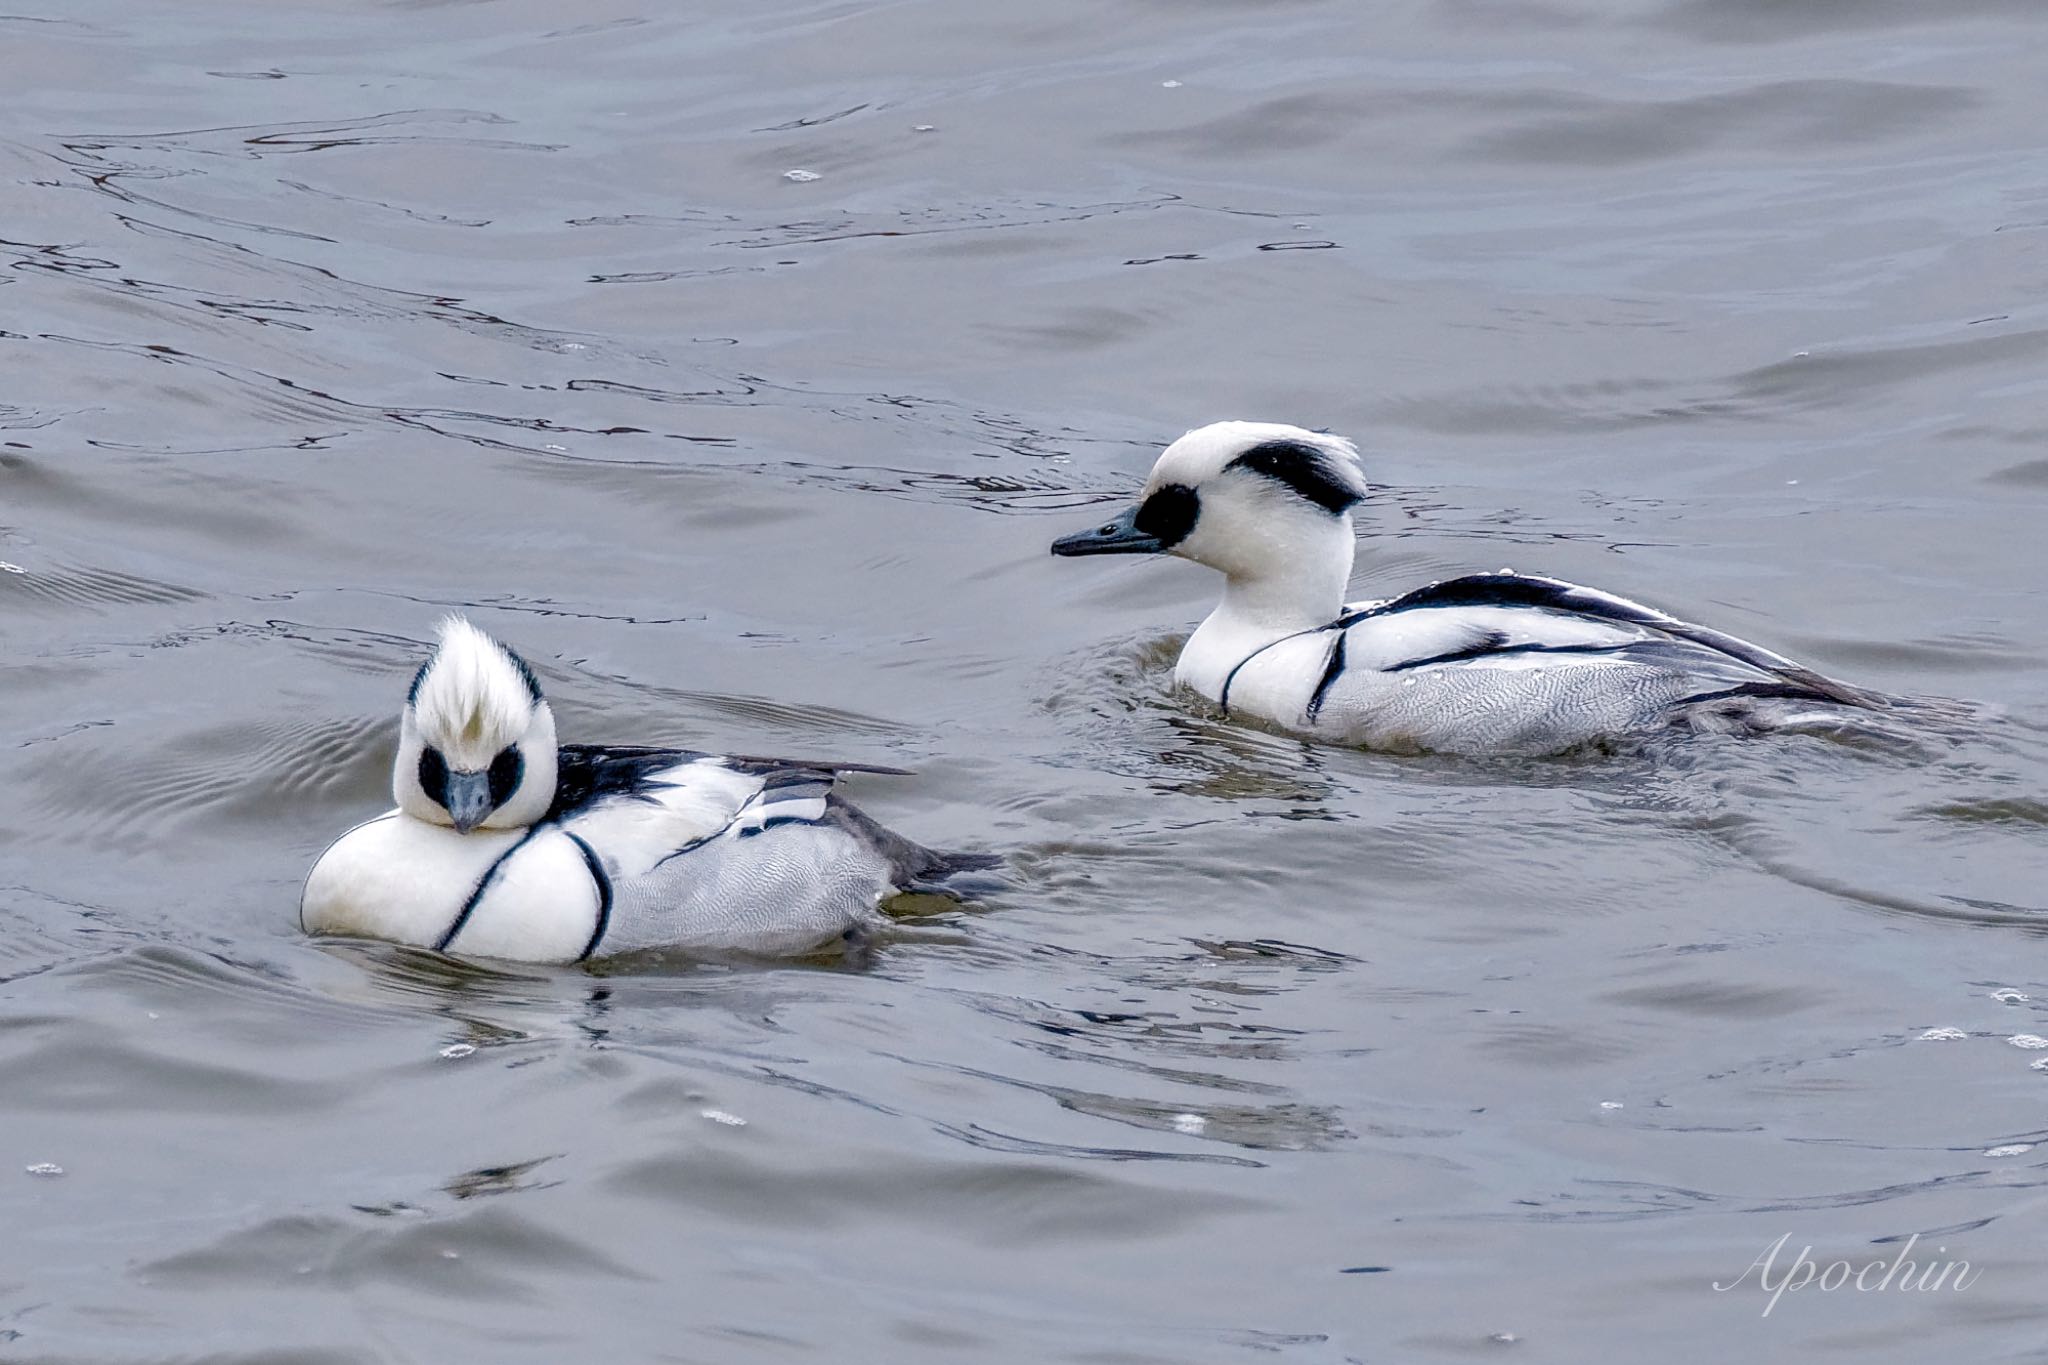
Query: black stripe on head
[[525, 674], [1169, 514], [1308, 469], [519, 665]]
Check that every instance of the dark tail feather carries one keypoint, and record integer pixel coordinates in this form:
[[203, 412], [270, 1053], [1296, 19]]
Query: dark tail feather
[[1781, 691], [1916, 725], [912, 866]]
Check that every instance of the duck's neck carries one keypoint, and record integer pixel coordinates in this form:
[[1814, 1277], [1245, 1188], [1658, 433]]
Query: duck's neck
[[1306, 591], [1298, 590]]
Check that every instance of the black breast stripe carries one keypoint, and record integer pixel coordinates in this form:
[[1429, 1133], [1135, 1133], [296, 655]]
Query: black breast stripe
[[1331, 672], [1223, 699], [604, 896], [476, 896]]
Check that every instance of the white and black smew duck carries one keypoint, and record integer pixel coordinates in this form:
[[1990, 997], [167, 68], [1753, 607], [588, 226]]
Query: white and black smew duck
[[1497, 663], [506, 845]]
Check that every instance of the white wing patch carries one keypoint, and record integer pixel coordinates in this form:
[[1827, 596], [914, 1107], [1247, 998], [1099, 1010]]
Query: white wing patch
[[682, 807], [772, 808], [676, 808]]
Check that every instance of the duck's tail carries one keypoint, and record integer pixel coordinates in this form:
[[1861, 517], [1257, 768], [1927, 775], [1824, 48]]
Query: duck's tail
[[1875, 720], [914, 868]]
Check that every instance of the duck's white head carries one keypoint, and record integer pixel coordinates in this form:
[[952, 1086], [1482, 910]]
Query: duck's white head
[[476, 745], [1269, 505]]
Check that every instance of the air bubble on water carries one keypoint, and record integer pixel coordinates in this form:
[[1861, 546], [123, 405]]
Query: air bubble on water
[[2008, 996], [1169, 85], [721, 1116], [2010, 1149], [801, 177], [1610, 1104], [2028, 1040], [1943, 1035], [457, 1050], [924, 127], [1191, 1124]]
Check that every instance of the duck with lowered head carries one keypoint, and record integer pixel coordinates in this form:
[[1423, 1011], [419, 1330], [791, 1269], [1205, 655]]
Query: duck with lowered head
[[1498, 663], [506, 845]]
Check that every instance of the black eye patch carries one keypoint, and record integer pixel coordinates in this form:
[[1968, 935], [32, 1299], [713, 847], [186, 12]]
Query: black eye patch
[[1169, 514], [434, 776], [506, 770]]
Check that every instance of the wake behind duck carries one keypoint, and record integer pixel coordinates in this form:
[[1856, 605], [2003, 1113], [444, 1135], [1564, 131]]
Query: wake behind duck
[[1500, 663], [506, 845]]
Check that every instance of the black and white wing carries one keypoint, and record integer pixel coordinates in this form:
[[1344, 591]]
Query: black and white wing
[[733, 853], [1492, 617]]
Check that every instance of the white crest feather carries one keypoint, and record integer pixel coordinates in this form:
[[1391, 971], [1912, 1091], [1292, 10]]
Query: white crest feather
[[473, 698]]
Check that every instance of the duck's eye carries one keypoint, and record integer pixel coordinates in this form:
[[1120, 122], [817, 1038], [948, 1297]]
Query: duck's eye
[[434, 775], [1169, 514], [506, 770]]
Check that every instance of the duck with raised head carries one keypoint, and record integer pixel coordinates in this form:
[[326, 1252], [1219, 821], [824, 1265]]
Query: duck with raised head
[[1492, 663], [507, 845]]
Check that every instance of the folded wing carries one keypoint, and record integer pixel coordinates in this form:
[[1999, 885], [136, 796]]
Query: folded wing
[[1498, 618]]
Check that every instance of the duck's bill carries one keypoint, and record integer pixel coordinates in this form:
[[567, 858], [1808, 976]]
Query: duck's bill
[[1119, 537], [469, 800]]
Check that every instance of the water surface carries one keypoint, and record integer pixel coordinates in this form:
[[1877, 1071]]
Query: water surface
[[320, 319]]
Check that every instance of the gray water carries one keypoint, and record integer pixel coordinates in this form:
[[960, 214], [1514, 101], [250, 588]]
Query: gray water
[[321, 318]]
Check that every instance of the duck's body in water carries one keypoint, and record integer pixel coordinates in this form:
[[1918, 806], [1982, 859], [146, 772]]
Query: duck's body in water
[[505, 845], [1500, 663]]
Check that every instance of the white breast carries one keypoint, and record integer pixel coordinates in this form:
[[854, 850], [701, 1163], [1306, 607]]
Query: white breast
[[1274, 683], [543, 904], [407, 881], [398, 878]]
